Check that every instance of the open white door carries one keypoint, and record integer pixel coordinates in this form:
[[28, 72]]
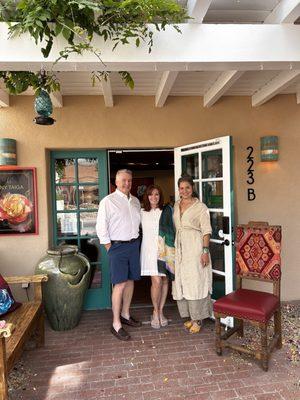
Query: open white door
[[210, 165]]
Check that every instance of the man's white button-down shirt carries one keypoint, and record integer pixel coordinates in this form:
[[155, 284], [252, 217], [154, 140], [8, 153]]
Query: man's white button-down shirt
[[118, 217]]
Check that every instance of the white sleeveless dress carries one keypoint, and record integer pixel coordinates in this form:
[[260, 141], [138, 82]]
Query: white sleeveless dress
[[149, 247]]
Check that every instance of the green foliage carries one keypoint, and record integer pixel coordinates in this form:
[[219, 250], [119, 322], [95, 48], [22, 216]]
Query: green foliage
[[18, 81], [120, 21]]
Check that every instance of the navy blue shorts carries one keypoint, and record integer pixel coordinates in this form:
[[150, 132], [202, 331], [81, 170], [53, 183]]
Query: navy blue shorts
[[124, 262]]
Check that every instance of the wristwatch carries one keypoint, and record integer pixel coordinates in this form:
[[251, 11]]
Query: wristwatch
[[205, 250]]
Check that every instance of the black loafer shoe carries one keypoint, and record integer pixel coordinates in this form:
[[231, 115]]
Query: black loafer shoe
[[121, 334], [131, 321]]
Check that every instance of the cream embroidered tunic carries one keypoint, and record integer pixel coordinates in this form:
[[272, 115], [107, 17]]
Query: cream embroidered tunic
[[192, 280]]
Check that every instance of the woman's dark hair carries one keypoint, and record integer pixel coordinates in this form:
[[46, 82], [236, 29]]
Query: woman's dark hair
[[188, 179], [146, 202]]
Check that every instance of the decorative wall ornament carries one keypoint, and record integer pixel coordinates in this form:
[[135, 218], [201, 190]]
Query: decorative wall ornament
[[8, 152], [269, 150]]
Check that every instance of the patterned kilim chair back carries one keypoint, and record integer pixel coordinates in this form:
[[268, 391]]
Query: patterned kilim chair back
[[258, 248]]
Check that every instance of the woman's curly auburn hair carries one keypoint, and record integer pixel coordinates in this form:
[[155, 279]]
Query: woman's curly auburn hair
[[148, 191]]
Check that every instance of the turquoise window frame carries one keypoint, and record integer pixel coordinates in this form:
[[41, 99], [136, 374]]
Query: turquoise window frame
[[96, 298]]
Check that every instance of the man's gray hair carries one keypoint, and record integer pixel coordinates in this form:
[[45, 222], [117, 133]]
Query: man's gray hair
[[123, 171]]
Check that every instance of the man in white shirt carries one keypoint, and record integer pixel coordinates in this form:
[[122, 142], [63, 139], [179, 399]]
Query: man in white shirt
[[117, 227]]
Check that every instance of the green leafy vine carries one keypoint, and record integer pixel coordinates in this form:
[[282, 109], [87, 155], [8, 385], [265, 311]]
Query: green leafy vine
[[120, 21]]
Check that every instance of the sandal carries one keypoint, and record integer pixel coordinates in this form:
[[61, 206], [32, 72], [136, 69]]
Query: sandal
[[195, 328], [188, 324], [155, 322], [163, 320]]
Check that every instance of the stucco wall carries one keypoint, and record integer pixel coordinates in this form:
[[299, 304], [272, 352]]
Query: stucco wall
[[84, 122]]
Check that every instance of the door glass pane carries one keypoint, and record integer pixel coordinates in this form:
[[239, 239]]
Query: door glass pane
[[88, 223], [96, 277], [217, 256], [64, 170], [212, 165], [73, 242], [66, 224], [87, 170], [91, 248], [216, 224], [88, 196], [196, 186], [218, 286], [212, 194], [190, 165], [65, 198]]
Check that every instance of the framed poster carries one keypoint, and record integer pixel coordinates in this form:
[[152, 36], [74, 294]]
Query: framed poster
[[18, 201]]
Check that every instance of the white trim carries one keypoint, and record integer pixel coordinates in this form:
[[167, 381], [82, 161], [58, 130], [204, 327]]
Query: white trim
[[107, 92], [57, 100], [165, 86], [197, 149], [4, 98], [220, 87], [137, 150], [275, 86], [287, 11], [197, 9], [199, 47]]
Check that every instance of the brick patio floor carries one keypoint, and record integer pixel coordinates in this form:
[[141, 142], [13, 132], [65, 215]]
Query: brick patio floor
[[89, 363]]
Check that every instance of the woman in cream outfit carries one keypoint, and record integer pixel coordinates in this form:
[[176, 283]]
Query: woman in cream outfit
[[193, 271]]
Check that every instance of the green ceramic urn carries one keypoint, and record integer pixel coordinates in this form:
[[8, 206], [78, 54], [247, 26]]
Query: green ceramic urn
[[63, 295]]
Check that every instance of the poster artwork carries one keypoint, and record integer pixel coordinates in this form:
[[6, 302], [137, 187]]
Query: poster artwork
[[18, 203]]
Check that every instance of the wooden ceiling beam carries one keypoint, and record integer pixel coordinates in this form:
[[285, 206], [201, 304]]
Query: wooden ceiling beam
[[286, 12], [107, 92], [4, 98], [275, 86], [165, 86], [57, 100], [220, 87], [197, 10]]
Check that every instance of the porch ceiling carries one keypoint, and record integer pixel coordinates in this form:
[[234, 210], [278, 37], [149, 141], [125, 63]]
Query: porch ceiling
[[226, 49]]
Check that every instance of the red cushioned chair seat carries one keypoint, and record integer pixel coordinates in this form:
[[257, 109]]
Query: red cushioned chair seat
[[248, 304]]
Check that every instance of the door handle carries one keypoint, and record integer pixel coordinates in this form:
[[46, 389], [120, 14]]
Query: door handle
[[225, 242]]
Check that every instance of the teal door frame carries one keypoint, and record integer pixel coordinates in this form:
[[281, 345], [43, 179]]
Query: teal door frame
[[96, 298]]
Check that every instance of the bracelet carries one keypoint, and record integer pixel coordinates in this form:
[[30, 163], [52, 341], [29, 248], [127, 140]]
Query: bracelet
[[205, 250]]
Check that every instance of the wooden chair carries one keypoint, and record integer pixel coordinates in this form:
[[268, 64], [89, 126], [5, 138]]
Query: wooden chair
[[258, 258]]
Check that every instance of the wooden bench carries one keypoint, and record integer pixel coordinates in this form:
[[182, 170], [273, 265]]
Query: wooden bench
[[21, 324]]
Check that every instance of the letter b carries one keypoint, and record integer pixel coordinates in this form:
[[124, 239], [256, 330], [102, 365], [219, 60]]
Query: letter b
[[251, 195]]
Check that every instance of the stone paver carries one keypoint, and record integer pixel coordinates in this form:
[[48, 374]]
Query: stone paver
[[88, 363]]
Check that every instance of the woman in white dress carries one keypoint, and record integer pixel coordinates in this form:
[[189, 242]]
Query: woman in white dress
[[150, 216]]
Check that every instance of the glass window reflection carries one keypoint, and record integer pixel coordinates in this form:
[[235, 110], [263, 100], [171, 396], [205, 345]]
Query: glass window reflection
[[64, 170], [212, 164], [212, 194], [87, 170], [218, 286], [88, 223], [216, 224], [217, 256], [190, 165], [66, 224]]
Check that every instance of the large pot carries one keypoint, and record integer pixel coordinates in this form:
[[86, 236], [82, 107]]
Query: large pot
[[63, 294]]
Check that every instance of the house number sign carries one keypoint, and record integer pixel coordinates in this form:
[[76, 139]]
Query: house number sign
[[250, 173]]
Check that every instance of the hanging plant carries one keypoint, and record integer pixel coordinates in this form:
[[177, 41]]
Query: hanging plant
[[120, 21]]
